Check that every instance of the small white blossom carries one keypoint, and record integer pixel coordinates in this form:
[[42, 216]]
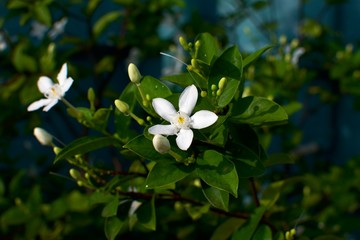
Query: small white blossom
[[52, 91], [43, 136], [181, 121]]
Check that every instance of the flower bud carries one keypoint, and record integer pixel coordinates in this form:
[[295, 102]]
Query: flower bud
[[43, 136], [222, 83], [161, 144], [134, 73], [56, 150], [91, 95], [75, 174], [203, 93], [197, 44], [122, 106], [183, 42]]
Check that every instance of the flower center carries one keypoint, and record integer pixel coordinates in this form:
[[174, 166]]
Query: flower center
[[182, 120], [54, 92]]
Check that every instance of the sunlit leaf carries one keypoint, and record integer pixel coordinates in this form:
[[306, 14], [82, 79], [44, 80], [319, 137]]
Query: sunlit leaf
[[85, 145], [255, 55], [215, 170]]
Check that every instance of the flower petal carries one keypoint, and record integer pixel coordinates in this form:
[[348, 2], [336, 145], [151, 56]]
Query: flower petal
[[164, 108], [188, 99], [44, 84], [184, 139], [203, 119], [38, 104], [66, 85], [50, 105], [163, 130], [61, 77]]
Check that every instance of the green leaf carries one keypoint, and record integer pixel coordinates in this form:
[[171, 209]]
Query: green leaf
[[263, 232], [215, 170], [42, 14], [292, 107], [100, 197], [228, 65], [153, 88], [255, 55], [278, 158], [146, 214], [85, 145], [216, 197], [248, 229], [182, 79], [110, 208], [258, 111], [105, 21], [100, 118], [143, 147], [14, 4], [227, 228], [22, 61], [92, 5], [209, 47], [164, 173], [112, 227]]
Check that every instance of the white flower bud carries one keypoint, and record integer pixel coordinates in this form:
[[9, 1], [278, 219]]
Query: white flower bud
[[122, 106], [43, 136], [161, 144], [134, 73]]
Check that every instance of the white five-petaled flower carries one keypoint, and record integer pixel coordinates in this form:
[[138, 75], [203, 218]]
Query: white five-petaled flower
[[181, 121], [52, 91]]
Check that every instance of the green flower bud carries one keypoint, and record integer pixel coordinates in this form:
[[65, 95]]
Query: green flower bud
[[56, 150], [91, 95], [197, 44], [75, 174], [148, 118], [183, 42], [148, 97], [43, 136], [218, 92], [161, 144], [203, 93], [222, 83], [122, 106], [213, 87], [294, 43], [134, 73], [283, 39], [194, 63]]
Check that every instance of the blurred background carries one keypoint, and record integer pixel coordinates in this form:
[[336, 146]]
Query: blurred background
[[313, 69]]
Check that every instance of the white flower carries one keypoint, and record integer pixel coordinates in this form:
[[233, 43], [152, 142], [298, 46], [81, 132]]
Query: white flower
[[43, 136], [181, 122], [58, 28], [52, 91]]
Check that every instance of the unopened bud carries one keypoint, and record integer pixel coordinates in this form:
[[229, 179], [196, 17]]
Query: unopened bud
[[282, 39], [218, 92], [183, 42], [43, 136], [134, 73], [56, 150], [222, 83], [148, 118], [147, 96], [161, 144], [122, 106], [75, 174], [91, 95], [203, 93], [294, 43], [213, 87], [194, 63], [197, 44]]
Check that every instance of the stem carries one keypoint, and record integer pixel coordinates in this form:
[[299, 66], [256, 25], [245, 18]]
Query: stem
[[67, 103], [254, 192]]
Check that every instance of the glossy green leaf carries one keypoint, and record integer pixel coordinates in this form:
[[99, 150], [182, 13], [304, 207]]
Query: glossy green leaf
[[217, 171], [227, 228], [255, 55], [258, 111], [85, 145], [105, 21], [143, 147], [146, 214], [164, 173], [248, 229], [209, 47], [216, 197], [263, 232], [182, 79], [112, 227], [110, 208], [228, 65], [100, 118], [152, 88]]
